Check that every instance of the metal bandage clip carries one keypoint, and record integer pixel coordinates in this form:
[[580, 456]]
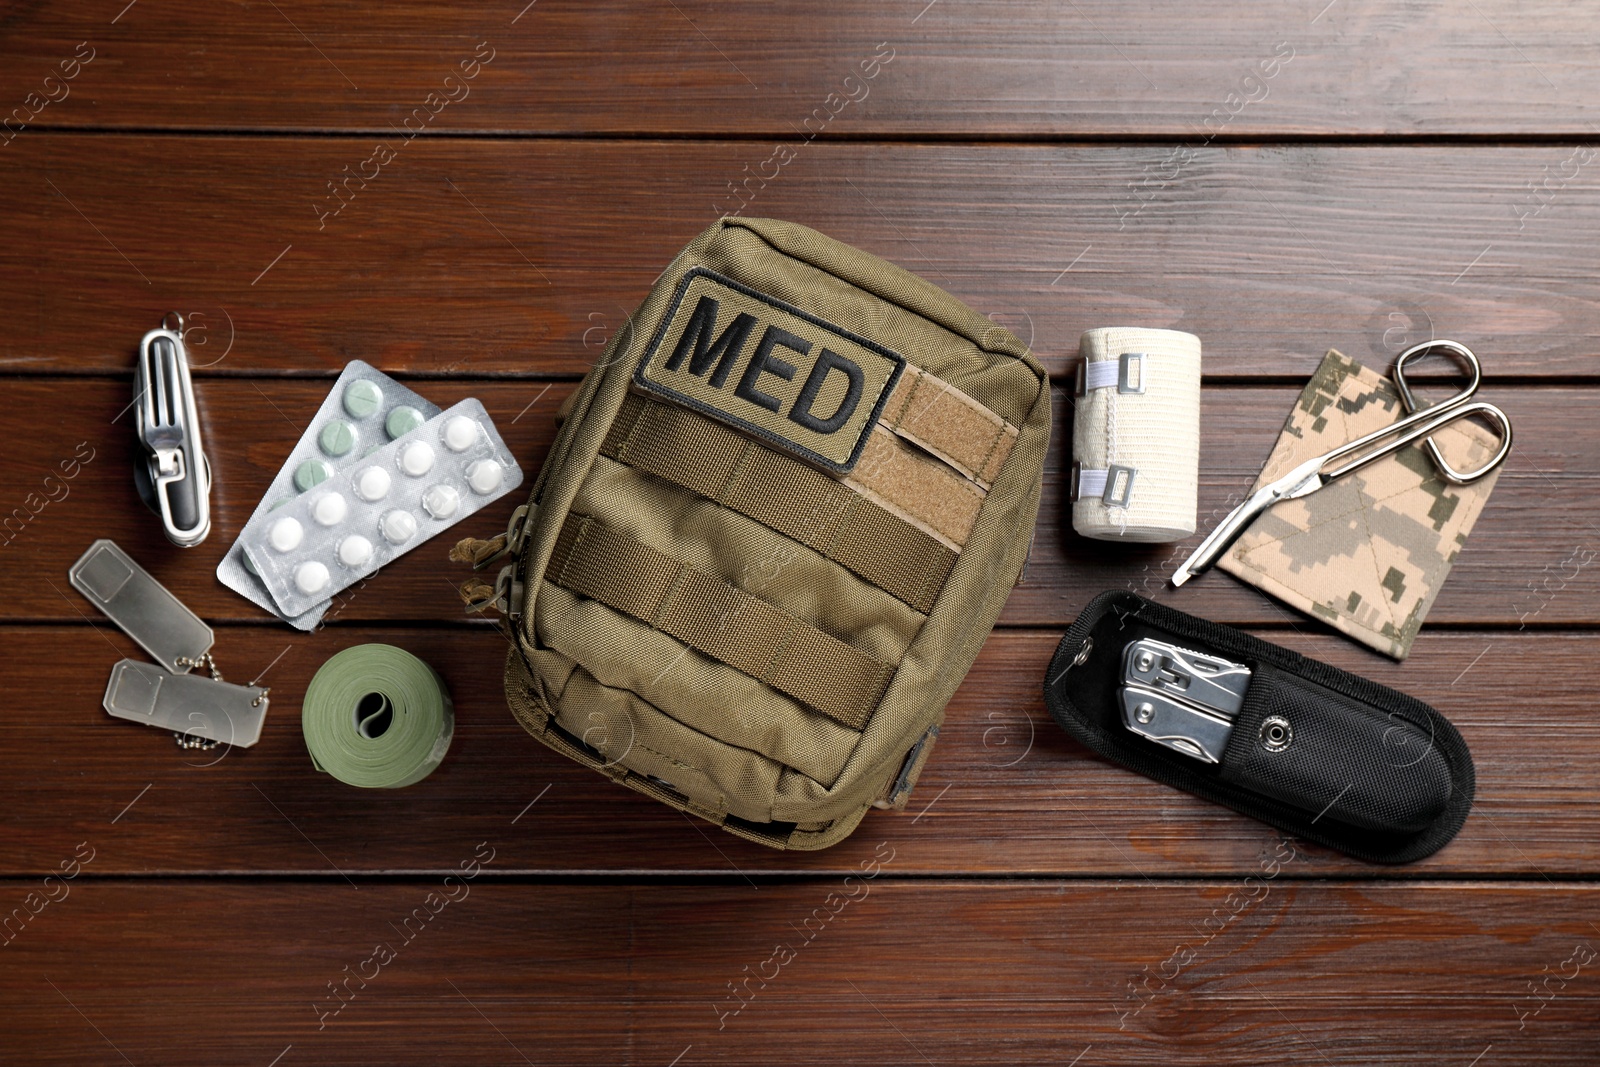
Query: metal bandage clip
[[1114, 484], [1126, 373], [1185, 700]]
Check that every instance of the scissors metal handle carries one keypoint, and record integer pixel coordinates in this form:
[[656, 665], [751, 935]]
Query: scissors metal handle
[[1419, 426], [1409, 399], [1314, 473]]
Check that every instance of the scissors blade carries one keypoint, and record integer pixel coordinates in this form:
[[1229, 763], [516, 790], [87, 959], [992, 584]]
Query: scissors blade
[[1304, 479]]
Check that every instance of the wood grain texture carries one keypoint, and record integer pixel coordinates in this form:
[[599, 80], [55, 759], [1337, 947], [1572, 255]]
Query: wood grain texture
[[523, 258], [1511, 571], [1004, 67], [828, 972], [1278, 179], [1006, 790]]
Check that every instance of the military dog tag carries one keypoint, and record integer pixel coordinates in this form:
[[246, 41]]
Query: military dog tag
[[188, 704], [145, 610]]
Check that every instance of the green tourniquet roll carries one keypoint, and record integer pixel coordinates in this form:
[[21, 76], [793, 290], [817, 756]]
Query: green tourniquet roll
[[377, 717]]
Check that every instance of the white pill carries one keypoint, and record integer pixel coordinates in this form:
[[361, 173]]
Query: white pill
[[484, 476], [460, 433], [311, 577], [416, 459], [330, 509], [398, 526], [285, 534], [441, 501], [372, 484], [355, 551]]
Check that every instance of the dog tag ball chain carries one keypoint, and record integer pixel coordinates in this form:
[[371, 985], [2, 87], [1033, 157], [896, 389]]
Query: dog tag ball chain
[[201, 712]]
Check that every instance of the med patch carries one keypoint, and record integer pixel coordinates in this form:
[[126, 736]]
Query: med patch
[[764, 366]]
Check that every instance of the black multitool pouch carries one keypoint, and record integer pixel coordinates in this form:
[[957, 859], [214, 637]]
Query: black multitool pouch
[[1313, 750]]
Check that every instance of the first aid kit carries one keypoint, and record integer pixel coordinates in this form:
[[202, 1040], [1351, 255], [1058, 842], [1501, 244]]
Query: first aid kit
[[780, 519]]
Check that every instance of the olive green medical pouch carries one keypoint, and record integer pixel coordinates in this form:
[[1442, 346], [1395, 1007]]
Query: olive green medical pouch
[[779, 520]]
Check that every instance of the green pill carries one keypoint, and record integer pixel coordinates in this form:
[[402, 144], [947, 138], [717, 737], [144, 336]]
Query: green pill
[[338, 437], [311, 472], [361, 398], [402, 420]]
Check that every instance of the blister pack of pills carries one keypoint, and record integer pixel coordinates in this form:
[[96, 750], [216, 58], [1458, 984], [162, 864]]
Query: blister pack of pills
[[364, 411], [347, 526]]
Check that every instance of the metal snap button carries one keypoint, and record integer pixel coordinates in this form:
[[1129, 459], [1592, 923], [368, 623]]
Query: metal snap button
[[1276, 733]]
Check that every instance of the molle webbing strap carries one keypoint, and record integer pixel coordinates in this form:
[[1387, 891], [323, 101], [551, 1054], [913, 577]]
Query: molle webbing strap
[[718, 619], [783, 494], [923, 491], [938, 417]]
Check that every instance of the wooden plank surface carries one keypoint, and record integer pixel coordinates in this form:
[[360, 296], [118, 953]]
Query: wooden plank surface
[[1511, 571], [1006, 790], [1379, 174], [825, 972], [1000, 68], [522, 258]]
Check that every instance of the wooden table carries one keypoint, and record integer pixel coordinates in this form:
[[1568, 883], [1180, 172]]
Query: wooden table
[[1278, 179]]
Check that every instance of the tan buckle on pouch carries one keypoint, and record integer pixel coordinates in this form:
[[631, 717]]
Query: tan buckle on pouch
[[517, 526], [505, 593], [508, 592]]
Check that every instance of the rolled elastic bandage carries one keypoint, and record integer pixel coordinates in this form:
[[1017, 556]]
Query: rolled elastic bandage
[[1136, 435]]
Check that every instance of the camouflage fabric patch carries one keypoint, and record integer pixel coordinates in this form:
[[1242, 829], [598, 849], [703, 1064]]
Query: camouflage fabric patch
[[1367, 554]]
